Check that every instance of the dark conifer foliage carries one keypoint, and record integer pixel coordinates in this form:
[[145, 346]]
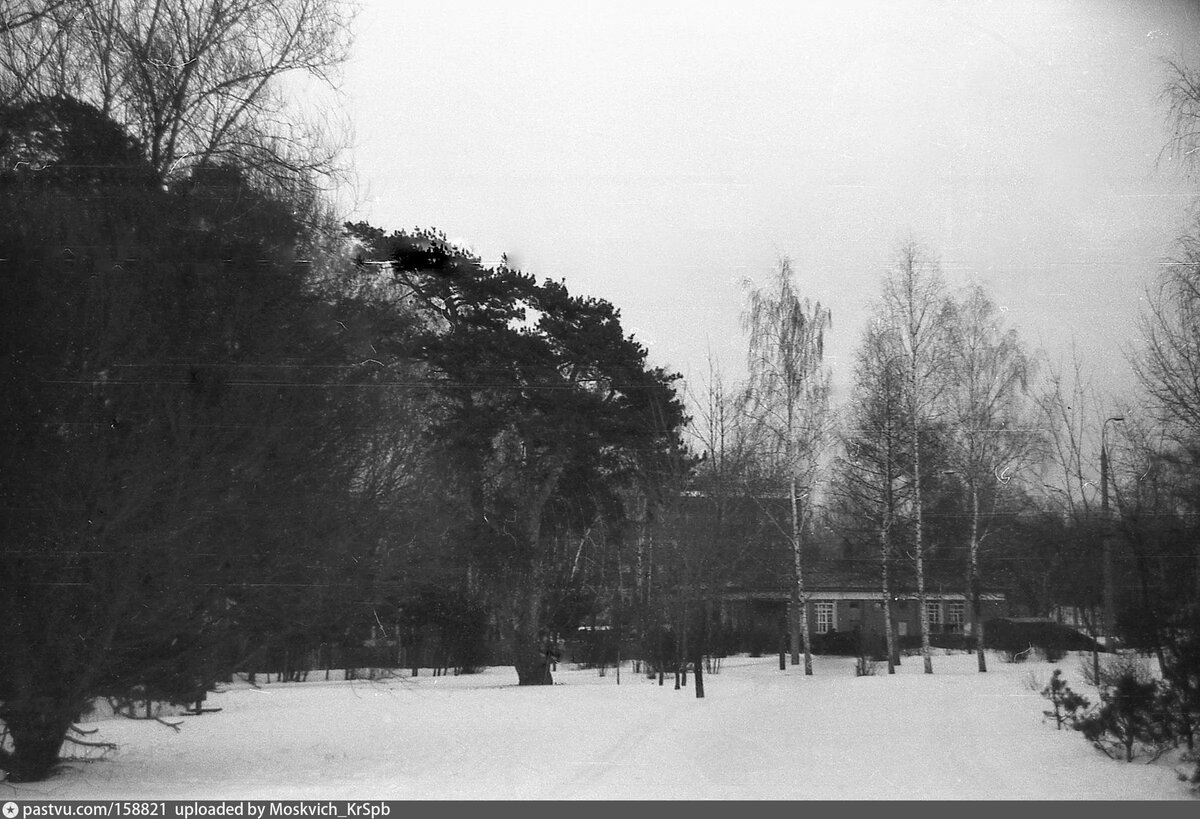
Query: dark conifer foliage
[[182, 454], [547, 412]]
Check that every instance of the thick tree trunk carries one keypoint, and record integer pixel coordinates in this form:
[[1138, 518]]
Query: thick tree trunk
[[531, 656], [531, 664], [38, 730], [529, 644]]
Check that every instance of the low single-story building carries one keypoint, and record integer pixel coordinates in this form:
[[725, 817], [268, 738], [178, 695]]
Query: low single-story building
[[845, 597]]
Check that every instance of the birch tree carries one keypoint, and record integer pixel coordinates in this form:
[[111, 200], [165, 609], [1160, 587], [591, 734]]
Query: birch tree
[[788, 397], [990, 425], [916, 312]]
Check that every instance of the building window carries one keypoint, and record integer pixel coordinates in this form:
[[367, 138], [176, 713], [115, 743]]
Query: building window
[[934, 612], [826, 620], [956, 615]]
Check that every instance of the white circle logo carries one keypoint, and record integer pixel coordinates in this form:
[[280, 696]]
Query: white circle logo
[[11, 810]]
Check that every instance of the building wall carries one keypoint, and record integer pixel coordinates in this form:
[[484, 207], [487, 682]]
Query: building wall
[[847, 612]]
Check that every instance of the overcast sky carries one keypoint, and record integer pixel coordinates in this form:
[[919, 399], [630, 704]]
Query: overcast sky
[[655, 154]]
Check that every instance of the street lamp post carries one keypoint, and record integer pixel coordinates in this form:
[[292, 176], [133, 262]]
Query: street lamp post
[[1106, 537]]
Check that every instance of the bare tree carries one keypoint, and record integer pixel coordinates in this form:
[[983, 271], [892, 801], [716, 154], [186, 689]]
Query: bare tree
[[1168, 364], [17, 13], [914, 308], [788, 397], [870, 482], [1067, 404], [1071, 415], [196, 82], [992, 433], [1181, 94], [733, 527]]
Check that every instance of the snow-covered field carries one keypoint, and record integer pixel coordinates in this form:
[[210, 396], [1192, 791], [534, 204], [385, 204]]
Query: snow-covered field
[[759, 734]]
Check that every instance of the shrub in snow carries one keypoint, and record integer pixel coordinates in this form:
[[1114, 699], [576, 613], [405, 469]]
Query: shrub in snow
[[1068, 705], [1181, 672], [1130, 720]]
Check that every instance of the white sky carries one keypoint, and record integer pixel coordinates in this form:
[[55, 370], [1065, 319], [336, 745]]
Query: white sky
[[655, 154]]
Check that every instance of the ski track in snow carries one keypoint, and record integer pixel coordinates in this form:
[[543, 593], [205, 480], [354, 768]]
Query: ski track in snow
[[759, 734]]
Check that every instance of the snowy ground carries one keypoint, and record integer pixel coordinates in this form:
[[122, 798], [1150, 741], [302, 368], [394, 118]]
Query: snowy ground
[[759, 734]]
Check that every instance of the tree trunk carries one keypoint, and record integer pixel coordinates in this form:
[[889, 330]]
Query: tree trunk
[[919, 546], [530, 661], [682, 651], [800, 597], [783, 646], [793, 617], [529, 644], [38, 730], [886, 589], [976, 603], [979, 636], [531, 657]]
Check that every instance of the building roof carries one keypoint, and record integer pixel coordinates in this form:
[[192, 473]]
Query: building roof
[[863, 574]]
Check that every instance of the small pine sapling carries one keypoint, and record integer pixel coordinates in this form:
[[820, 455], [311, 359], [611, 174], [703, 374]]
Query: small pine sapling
[[1129, 719], [1068, 704]]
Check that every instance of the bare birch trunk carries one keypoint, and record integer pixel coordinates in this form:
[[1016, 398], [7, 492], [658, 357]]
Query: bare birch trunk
[[976, 603], [793, 617], [886, 590], [798, 558], [920, 541]]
